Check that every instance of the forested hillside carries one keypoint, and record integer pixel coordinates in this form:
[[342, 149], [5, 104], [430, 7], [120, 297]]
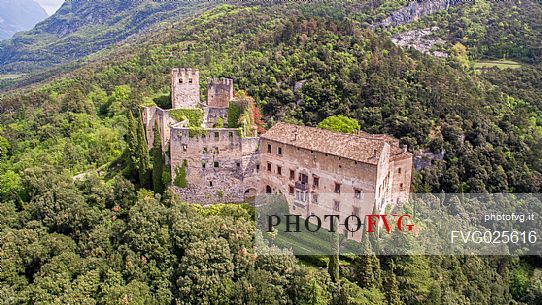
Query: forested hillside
[[490, 29], [82, 27], [103, 239]]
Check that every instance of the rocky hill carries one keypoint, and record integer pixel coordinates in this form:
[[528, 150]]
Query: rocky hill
[[81, 27], [19, 15]]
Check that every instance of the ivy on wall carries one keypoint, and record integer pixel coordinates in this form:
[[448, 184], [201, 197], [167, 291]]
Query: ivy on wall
[[180, 176], [193, 115]]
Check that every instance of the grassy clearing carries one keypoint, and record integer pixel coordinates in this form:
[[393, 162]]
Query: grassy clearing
[[10, 76], [501, 64]]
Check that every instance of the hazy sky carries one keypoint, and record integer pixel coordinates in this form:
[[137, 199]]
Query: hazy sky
[[50, 5]]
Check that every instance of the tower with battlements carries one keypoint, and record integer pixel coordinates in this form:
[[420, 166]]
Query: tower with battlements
[[185, 88], [219, 92]]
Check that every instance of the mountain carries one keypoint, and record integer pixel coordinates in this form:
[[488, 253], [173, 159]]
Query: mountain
[[81, 27], [19, 15]]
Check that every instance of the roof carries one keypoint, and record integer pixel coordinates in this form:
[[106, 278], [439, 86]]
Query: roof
[[397, 152], [354, 147]]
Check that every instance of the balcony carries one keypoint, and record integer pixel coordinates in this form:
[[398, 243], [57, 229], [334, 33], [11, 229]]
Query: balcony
[[302, 186]]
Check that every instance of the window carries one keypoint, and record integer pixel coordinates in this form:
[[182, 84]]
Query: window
[[315, 198], [290, 189], [301, 196], [203, 164], [215, 164], [257, 167], [217, 136], [336, 205], [316, 182], [279, 151], [268, 189], [210, 183], [292, 174], [279, 170], [337, 187], [399, 170], [180, 80], [238, 164], [357, 194], [190, 80], [269, 148], [402, 187], [205, 150], [185, 147], [230, 134], [268, 166]]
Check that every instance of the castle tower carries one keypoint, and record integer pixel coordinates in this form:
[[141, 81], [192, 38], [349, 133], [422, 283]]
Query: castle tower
[[184, 88], [219, 92]]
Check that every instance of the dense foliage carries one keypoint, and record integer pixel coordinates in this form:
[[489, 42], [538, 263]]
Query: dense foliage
[[491, 29], [72, 154], [340, 123]]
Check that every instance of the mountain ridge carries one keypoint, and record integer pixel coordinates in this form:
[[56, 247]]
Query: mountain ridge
[[82, 27], [20, 15]]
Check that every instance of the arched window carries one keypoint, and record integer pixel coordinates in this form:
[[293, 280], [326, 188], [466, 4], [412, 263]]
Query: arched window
[[268, 189]]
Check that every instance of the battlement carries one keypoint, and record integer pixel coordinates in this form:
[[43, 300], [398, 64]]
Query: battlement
[[186, 75], [220, 81], [219, 92], [185, 88]]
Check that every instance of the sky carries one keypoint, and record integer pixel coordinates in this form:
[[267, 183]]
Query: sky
[[50, 6]]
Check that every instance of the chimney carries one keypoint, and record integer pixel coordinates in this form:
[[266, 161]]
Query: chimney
[[405, 148]]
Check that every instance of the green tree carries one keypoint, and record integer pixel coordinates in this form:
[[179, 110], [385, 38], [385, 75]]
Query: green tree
[[144, 164], [340, 123], [5, 146], [158, 163], [393, 295], [133, 147], [333, 265], [367, 267]]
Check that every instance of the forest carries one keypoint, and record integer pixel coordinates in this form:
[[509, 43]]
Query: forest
[[85, 219]]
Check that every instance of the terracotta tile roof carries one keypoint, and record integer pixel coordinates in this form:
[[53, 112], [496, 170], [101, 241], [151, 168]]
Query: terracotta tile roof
[[397, 152], [354, 147]]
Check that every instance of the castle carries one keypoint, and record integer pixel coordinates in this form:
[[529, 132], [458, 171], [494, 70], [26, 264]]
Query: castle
[[317, 170]]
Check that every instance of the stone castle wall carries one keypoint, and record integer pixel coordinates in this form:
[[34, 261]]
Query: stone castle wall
[[224, 165], [219, 92], [185, 90], [213, 114], [155, 116], [217, 164]]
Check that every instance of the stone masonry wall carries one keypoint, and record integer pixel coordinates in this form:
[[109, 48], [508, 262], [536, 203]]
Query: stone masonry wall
[[216, 164], [185, 90], [219, 92], [155, 116]]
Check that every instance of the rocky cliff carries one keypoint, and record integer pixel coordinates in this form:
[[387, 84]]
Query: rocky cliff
[[415, 11]]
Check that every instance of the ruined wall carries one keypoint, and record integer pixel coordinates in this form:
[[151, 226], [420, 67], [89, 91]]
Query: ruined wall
[[216, 164], [185, 91], [219, 92], [155, 116], [212, 115], [148, 114]]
